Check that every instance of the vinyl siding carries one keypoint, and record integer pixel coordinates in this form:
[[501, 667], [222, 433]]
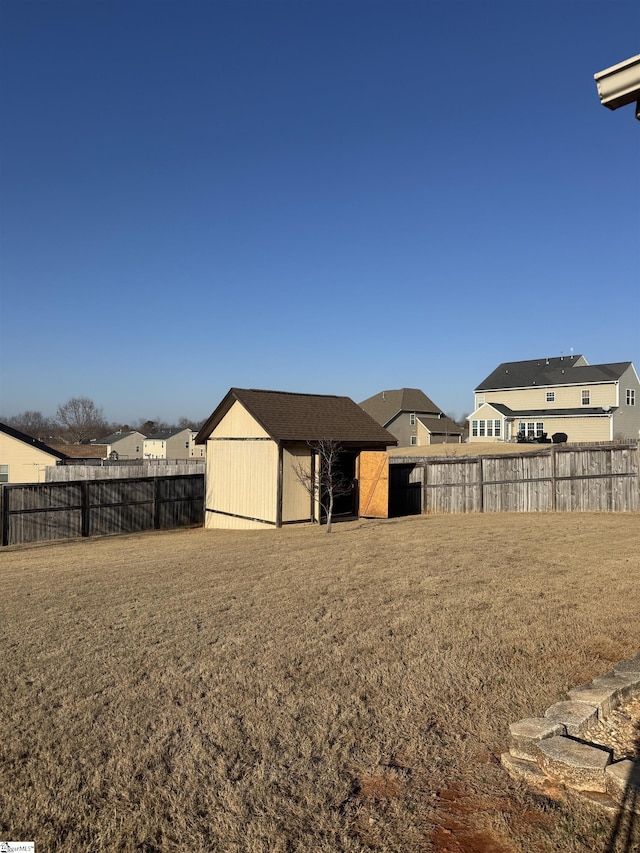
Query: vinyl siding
[[296, 500], [565, 397], [241, 482], [626, 420], [592, 428], [26, 464], [239, 423]]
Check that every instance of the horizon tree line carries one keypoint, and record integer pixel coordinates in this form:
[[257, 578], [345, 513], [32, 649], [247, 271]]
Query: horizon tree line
[[80, 419]]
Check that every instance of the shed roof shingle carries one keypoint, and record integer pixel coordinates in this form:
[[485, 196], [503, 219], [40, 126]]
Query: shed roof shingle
[[287, 416]]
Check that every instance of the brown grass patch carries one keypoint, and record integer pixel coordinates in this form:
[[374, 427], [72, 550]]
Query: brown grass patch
[[291, 691]]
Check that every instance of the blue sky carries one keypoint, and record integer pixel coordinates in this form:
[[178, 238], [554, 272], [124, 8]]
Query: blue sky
[[309, 195]]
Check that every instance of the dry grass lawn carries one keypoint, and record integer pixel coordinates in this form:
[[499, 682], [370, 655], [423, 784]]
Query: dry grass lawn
[[288, 691]]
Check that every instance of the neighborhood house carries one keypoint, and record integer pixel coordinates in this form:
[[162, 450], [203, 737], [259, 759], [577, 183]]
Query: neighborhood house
[[24, 459], [412, 418], [563, 396]]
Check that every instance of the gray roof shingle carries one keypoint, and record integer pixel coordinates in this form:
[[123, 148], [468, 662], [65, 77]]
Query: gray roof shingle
[[542, 372]]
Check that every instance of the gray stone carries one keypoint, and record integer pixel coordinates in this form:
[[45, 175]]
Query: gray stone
[[628, 667], [628, 684], [622, 780], [526, 734], [576, 717], [528, 771], [606, 699], [578, 765]]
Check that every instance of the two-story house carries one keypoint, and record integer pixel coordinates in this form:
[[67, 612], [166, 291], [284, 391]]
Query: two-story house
[[564, 394], [176, 443], [122, 444], [410, 416]]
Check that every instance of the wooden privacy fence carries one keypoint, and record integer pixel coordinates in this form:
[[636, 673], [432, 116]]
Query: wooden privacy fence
[[129, 469], [558, 478], [36, 512]]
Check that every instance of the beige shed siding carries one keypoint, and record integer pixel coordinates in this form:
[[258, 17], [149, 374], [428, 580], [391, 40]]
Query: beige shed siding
[[245, 481], [26, 464], [565, 398], [239, 423], [296, 500]]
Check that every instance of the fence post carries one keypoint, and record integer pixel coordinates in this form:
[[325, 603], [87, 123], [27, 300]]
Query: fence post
[[4, 508], [156, 503], [425, 493], [481, 484], [84, 492], [553, 478]]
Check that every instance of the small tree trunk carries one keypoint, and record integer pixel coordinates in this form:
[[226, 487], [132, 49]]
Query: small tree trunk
[[329, 512]]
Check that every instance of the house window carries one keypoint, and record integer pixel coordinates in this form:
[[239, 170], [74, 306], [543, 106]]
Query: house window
[[586, 397], [186, 444], [631, 397], [531, 429], [474, 428], [4, 473], [496, 428], [480, 399], [551, 396], [412, 418], [414, 439], [482, 425], [490, 429]]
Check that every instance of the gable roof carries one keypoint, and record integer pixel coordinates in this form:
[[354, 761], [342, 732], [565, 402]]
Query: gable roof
[[82, 451], [441, 426], [163, 435], [561, 370], [287, 416], [31, 441], [118, 436], [385, 405]]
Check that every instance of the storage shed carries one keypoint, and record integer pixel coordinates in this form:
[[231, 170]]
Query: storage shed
[[257, 440]]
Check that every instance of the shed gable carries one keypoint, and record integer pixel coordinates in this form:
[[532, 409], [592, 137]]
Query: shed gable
[[238, 423]]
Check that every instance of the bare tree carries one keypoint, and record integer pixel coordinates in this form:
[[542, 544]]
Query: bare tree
[[325, 480], [34, 424], [189, 423], [81, 419]]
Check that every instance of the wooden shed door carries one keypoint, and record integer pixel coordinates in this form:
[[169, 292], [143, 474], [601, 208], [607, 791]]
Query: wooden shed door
[[374, 484]]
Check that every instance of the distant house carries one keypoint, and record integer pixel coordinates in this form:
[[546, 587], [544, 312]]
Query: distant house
[[410, 416], [123, 444], [255, 441], [23, 459], [560, 395], [176, 443]]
